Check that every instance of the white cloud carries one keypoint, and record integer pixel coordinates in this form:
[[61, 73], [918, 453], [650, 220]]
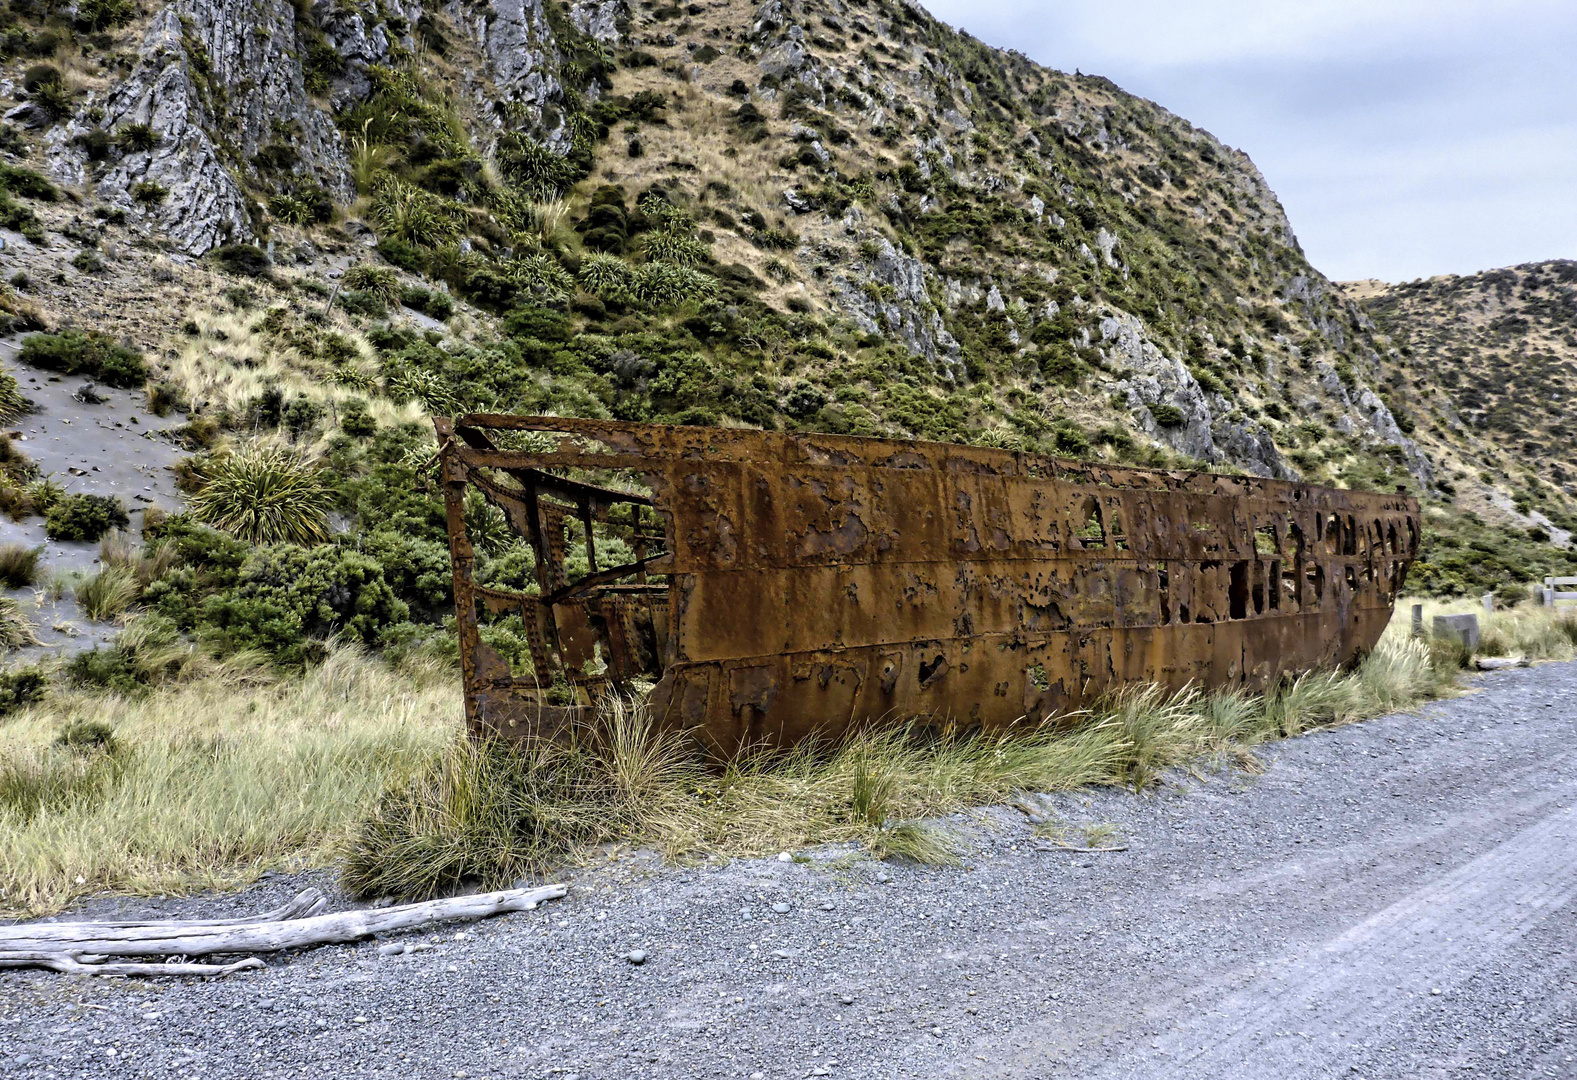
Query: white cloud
[[1405, 137]]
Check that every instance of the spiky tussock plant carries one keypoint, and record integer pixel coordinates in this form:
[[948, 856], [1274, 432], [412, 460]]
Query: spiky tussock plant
[[12, 403], [606, 276], [108, 593], [380, 281], [539, 274], [405, 212], [290, 209], [674, 247], [425, 388], [264, 496], [664, 285], [16, 629]]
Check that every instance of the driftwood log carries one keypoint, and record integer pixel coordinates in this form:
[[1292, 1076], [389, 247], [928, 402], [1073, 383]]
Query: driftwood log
[[83, 947]]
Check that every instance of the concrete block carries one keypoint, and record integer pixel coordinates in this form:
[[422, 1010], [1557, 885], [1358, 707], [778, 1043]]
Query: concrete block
[[1463, 628]]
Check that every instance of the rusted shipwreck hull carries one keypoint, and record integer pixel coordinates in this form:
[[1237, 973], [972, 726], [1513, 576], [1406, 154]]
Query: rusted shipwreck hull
[[776, 585]]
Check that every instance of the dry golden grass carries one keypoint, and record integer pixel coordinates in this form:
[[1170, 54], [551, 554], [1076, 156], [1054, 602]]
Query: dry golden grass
[[207, 783]]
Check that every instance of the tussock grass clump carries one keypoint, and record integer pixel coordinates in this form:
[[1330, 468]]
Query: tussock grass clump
[[379, 281], [145, 563], [16, 629], [264, 496], [18, 565], [12, 403], [209, 781], [108, 593], [1537, 633]]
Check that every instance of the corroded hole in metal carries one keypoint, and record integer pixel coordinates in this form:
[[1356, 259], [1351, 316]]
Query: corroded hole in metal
[[784, 585]]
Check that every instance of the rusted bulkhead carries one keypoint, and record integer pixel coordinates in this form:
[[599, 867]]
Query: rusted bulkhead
[[776, 585]]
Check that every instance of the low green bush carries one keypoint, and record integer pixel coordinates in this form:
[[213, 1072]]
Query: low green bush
[[1167, 415], [20, 687], [85, 517], [288, 597], [79, 352], [242, 260], [27, 183]]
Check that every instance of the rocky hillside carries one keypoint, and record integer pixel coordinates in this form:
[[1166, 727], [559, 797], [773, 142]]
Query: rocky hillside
[[836, 215], [1486, 365]]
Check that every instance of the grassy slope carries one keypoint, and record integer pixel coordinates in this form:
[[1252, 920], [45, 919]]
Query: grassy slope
[[1488, 363]]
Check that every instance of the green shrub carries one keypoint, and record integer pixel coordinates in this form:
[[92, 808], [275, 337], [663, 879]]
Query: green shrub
[[434, 304], [77, 352], [355, 420], [107, 668], [84, 517], [263, 496], [27, 183], [242, 260], [363, 303], [775, 239], [20, 687], [101, 15], [87, 261], [1167, 415], [286, 595], [418, 571], [38, 76]]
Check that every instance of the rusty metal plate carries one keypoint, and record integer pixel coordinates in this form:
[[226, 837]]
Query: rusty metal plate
[[784, 585]]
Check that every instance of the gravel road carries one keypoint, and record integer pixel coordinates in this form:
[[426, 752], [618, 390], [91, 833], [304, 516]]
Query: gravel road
[[1392, 899]]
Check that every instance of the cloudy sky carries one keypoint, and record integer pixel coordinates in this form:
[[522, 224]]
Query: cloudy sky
[[1405, 137]]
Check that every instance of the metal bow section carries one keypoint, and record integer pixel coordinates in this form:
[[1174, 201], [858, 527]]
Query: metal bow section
[[785, 585]]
